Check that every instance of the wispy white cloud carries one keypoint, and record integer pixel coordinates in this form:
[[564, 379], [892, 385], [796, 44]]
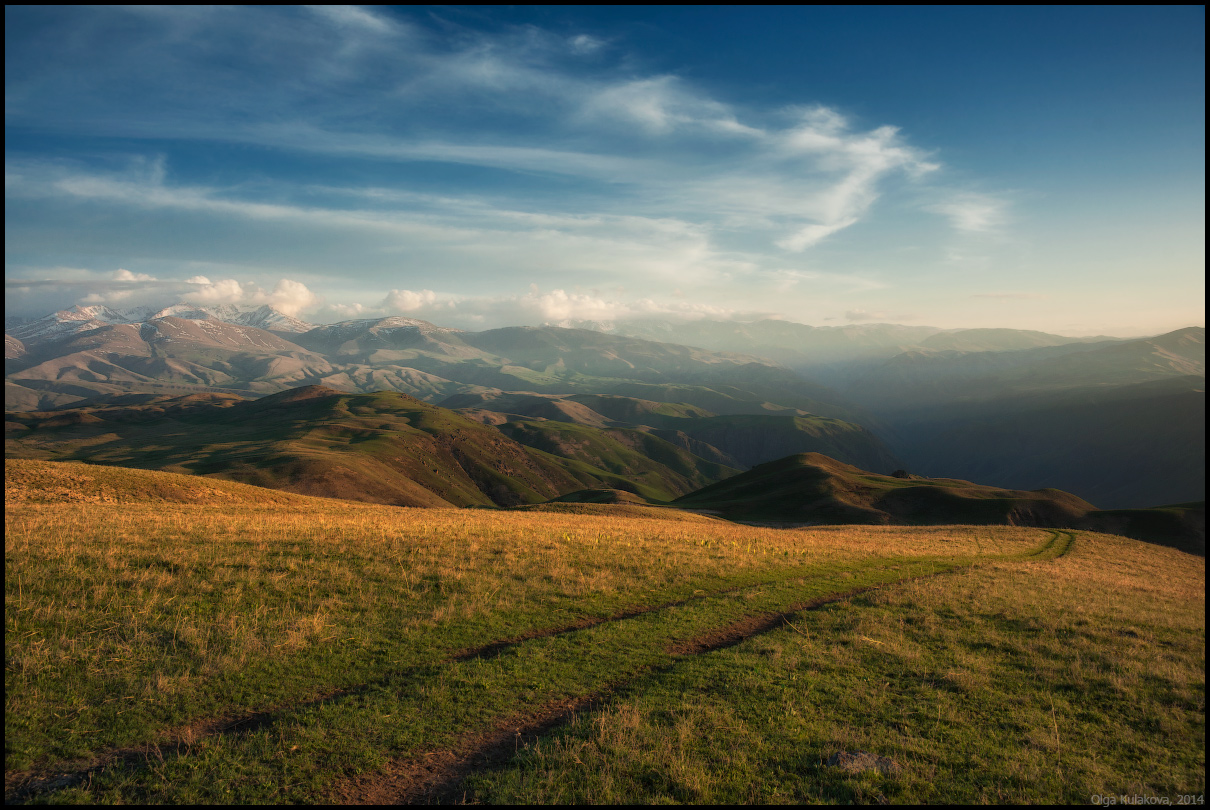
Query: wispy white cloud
[[972, 212], [356, 18], [660, 105], [459, 230], [585, 43], [555, 160], [808, 235], [820, 175]]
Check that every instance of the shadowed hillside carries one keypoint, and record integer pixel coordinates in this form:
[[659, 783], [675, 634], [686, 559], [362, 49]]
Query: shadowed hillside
[[643, 462], [812, 488], [738, 440]]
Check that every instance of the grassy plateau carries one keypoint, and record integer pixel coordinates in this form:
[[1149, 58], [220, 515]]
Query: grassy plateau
[[174, 639]]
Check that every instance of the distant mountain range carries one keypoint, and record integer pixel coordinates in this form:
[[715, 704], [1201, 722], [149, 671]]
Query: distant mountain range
[[84, 318], [814, 348], [1118, 422]]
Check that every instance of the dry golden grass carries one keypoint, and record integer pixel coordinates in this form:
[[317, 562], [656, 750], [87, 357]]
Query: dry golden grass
[[29, 481], [133, 619], [158, 602], [277, 578], [1009, 682]]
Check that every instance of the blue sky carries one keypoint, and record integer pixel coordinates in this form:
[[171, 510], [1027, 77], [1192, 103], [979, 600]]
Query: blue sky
[[1038, 168]]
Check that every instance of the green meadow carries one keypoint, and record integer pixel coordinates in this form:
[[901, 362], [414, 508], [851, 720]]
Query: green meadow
[[173, 639]]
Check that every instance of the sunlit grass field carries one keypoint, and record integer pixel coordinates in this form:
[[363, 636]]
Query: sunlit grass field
[[259, 647]]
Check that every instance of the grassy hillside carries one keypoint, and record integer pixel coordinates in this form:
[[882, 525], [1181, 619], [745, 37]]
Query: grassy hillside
[[600, 496], [381, 448], [642, 462], [384, 448], [349, 652], [751, 389], [733, 440], [756, 439], [1181, 525], [27, 482], [812, 488]]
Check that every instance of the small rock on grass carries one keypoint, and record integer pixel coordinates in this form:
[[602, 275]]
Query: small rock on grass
[[860, 761]]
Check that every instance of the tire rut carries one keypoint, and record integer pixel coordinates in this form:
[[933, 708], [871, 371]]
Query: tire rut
[[436, 778], [23, 787], [440, 777]]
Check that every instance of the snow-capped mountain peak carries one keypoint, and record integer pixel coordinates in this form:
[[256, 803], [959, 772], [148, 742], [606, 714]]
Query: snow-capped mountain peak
[[77, 319], [266, 317]]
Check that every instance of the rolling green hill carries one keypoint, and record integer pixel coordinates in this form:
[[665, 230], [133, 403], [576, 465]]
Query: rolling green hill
[[382, 448], [29, 481], [756, 439], [642, 462]]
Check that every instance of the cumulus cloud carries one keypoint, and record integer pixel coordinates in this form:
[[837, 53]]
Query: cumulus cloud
[[559, 306], [287, 296], [292, 297], [217, 293], [534, 307], [45, 291], [126, 275], [407, 301]]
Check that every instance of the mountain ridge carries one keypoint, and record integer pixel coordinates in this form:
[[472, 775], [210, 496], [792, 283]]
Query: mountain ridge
[[813, 489]]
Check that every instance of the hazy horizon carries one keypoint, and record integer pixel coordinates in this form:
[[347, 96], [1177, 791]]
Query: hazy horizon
[[673, 319], [1024, 168]]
